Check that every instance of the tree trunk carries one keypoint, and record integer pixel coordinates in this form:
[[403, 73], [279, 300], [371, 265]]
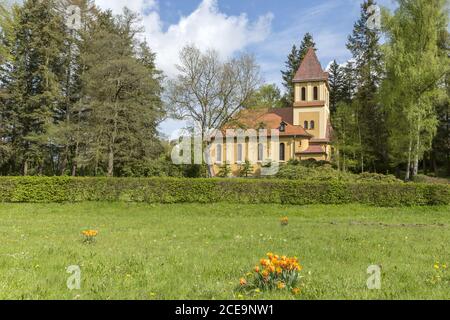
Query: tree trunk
[[25, 168], [415, 170], [408, 166], [74, 161], [447, 118], [434, 164], [111, 162], [416, 155], [425, 168], [361, 150], [397, 172], [338, 159], [113, 141], [63, 166]]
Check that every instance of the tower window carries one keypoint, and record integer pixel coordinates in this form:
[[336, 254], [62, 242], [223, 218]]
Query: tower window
[[312, 125], [306, 125], [303, 94], [316, 93]]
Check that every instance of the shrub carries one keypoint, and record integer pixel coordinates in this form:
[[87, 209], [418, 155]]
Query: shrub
[[245, 169], [325, 172], [257, 191], [224, 170], [375, 177], [309, 173], [427, 179]]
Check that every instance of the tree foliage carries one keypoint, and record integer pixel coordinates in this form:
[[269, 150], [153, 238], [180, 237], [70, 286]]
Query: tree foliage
[[416, 67], [292, 64], [84, 101], [364, 44], [267, 96]]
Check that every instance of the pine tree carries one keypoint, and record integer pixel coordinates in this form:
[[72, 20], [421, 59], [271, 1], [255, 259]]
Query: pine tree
[[125, 108], [307, 42], [345, 138], [348, 82], [368, 70], [336, 81], [64, 133], [292, 64], [34, 86]]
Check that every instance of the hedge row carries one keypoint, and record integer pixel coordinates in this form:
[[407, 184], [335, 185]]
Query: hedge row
[[170, 190]]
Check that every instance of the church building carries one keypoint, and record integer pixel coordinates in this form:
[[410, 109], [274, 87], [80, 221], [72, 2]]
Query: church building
[[304, 128]]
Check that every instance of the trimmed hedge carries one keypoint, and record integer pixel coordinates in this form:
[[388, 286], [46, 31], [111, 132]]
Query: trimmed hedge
[[172, 190]]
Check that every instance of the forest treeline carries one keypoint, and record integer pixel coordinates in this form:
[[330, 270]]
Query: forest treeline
[[88, 101]]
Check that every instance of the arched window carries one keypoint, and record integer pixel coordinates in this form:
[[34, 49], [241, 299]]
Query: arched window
[[282, 152], [316, 93], [305, 125], [239, 153], [312, 125], [260, 152], [219, 153], [303, 94]]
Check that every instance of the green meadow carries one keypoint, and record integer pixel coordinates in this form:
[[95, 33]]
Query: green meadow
[[193, 251]]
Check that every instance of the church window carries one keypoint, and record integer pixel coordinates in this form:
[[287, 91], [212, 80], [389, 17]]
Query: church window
[[282, 152], [260, 152], [239, 153], [316, 93], [219, 153], [303, 94]]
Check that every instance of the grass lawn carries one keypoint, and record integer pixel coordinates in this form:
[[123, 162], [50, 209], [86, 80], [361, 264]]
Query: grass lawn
[[192, 251]]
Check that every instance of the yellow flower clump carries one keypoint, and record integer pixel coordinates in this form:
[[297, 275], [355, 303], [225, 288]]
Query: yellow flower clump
[[90, 233], [275, 272], [284, 221], [277, 264]]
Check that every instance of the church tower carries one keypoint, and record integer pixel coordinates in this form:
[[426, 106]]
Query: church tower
[[312, 98]]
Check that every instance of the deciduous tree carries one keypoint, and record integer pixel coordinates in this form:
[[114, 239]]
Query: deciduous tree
[[415, 73]]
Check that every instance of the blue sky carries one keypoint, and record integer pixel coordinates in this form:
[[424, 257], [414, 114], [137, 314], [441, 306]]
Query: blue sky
[[266, 28]]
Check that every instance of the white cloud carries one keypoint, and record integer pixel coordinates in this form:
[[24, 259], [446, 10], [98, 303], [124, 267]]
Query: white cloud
[[136, 5], [206, 27]]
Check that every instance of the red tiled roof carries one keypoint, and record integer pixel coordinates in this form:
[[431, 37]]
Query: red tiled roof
[[313, 149], [310, 68], [269, 119]]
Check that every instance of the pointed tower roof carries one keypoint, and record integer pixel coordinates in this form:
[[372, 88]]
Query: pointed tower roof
[[310, 68]]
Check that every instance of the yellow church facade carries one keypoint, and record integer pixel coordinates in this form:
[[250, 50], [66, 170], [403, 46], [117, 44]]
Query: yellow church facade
[[303, 131]]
